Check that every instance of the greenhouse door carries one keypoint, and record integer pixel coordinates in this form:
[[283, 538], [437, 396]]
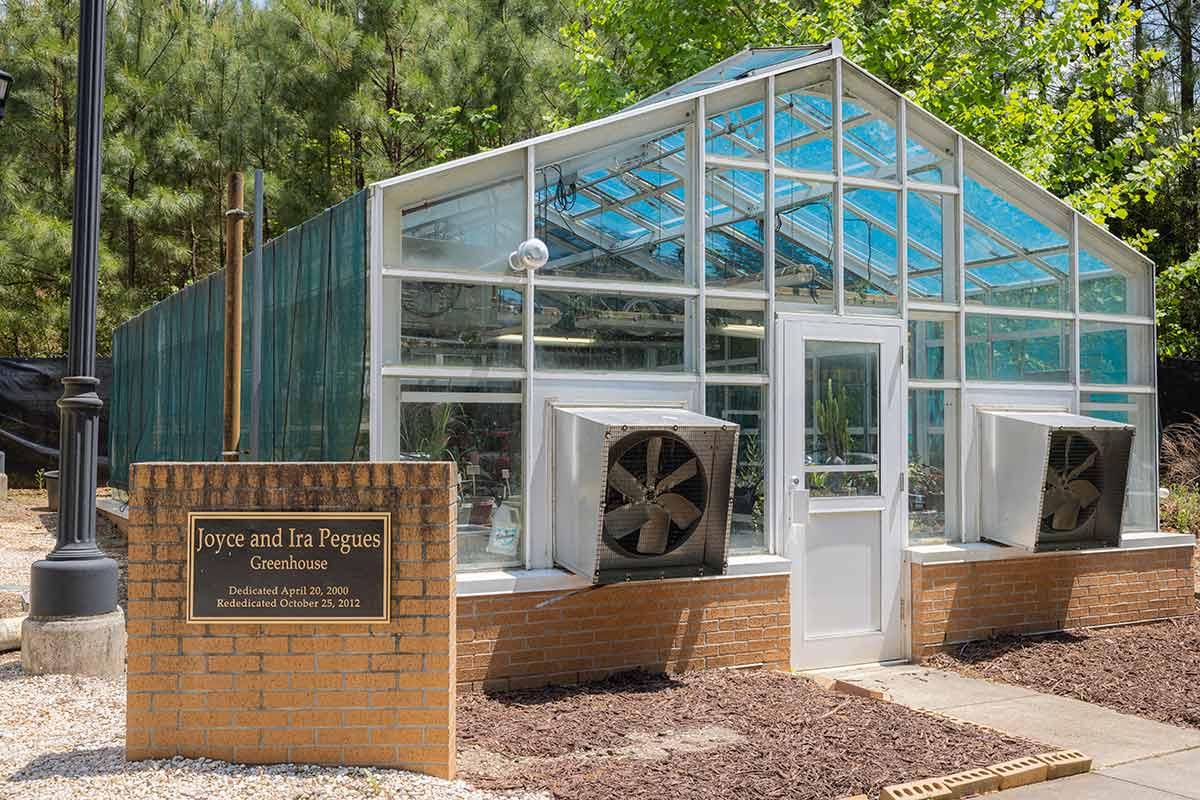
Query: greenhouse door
[[844, 506]]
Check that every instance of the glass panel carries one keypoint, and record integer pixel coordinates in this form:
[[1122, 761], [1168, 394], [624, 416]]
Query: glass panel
[[841, 418], [576, 330], [1020, 349], [1112, 353], [930, 149], [733, 246], [1141, 492], [459, 324], [869, 251], [1013, 259], [931, 250], [868, 132], [476, 424], [734, 335], [932, 470], [804, 242], [470, 232], [1108, 289], [931, 347], [737, 133], [804, 123], [616, 213], [747, 406]]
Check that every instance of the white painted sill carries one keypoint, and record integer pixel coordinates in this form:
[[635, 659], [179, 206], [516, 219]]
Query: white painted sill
[[516, 581], [962, 552]]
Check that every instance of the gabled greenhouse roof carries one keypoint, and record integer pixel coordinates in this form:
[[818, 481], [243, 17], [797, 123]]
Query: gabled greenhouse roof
[[745, 64], [614, 191]]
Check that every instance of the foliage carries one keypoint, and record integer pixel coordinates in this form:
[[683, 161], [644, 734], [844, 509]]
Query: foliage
[[424, 430], [1180, 510], [1180, 454], [323, 96], [1095, 100]]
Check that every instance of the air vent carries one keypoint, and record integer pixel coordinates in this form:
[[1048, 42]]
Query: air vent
[[1053, 481], [642, 493]]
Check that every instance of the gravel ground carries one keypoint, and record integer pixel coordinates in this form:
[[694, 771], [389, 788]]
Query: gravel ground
[[27, 532], [716, 734], [63, 738], [1151, 670]]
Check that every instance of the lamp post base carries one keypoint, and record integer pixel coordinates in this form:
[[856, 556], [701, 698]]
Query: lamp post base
[[93, 646], [73, 587]]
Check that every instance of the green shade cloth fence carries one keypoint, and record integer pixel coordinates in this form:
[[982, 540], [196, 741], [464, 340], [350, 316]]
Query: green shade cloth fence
[[168, 360]]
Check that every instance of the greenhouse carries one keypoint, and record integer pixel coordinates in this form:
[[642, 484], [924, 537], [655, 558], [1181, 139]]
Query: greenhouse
[[781, 242]]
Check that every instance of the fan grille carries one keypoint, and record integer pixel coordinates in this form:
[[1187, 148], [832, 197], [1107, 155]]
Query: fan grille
[[633, 453], [1069, 450]]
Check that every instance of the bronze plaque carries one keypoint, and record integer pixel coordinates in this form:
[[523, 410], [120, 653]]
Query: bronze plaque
[[283, 567]]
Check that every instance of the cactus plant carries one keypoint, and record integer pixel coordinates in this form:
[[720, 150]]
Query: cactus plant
[[833, 423]]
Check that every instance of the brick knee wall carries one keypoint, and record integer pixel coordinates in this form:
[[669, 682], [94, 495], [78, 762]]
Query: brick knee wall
[[364, 694], [961, 602], [532, 639]]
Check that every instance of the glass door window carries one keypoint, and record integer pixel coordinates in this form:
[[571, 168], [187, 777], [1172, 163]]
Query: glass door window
[[841, 424]]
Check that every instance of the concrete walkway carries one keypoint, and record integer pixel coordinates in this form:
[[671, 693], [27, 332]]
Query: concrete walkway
[[1133, 758]]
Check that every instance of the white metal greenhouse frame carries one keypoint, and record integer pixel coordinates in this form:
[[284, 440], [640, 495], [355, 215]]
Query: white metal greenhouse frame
[[691, 109]]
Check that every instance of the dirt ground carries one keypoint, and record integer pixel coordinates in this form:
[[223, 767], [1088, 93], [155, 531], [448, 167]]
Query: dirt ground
[[1151, 670], [722, 733], [27, 532]]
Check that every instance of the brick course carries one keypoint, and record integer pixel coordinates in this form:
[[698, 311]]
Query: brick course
[[959, 602], [363, 694], [522, 640]]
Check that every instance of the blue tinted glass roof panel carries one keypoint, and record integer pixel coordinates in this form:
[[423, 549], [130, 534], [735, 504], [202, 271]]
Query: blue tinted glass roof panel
[[737, 66]]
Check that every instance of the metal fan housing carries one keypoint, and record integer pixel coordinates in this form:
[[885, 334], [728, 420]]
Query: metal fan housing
[[1052, 480], [642, 493]]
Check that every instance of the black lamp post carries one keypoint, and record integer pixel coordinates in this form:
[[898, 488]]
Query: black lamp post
[[76, 579], [5, 84]]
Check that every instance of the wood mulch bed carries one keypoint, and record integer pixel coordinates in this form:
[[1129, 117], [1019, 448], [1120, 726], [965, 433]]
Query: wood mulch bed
[[1151, 669], [721, 733]]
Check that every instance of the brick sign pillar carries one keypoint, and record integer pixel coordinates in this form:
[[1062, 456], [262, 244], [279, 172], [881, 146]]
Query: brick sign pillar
[[369, 694]]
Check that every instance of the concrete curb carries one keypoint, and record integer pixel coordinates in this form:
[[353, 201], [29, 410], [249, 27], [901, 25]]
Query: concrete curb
[[1006, 775]]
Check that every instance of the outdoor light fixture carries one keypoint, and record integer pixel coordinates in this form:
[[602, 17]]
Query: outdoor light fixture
[[5, 82], [531, 254], [551, 341], [739, 329]]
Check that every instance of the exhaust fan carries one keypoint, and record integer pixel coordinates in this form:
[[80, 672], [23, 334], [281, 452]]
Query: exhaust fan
[[642, 492], [1053, 481]]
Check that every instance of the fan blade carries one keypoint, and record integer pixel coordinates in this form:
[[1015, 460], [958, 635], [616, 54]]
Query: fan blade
[[626, 519], [652, 541], [624, 482], [1066, 517], [653, 454], [1086, 465], [1084, 491], [683, 472], [1053, 499], [683, 511]]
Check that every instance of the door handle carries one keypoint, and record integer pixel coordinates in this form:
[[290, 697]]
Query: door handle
[[797, 517], [797, 499]]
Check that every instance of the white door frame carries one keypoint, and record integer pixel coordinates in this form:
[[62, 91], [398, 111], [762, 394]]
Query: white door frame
[[796, 515]]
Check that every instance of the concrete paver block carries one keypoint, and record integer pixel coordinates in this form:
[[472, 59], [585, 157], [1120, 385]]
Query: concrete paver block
[[1062, 763], [858, 690], [972, 781], [931, 789], [1020, 771]]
